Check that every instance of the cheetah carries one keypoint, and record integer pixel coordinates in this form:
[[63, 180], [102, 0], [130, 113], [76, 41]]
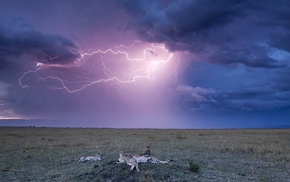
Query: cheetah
[[144, 159], [97, 157], [129, 160]]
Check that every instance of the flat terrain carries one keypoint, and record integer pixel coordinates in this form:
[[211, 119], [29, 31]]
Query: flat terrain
[[51, 154]]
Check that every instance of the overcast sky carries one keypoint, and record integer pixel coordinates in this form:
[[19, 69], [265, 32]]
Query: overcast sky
[[137, 63]]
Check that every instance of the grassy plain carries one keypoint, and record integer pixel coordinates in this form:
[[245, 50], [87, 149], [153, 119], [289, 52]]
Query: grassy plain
[[51, 154]]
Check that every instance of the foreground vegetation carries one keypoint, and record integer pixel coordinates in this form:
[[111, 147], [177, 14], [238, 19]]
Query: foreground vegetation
[[51, 154]]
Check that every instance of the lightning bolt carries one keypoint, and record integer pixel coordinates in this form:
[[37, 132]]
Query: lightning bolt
[[144, 66], [23, 76]]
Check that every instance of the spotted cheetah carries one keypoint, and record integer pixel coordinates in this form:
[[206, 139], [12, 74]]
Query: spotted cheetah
[[129, 160], [97, 157]]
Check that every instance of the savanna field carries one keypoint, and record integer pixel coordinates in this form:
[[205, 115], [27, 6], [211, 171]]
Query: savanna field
[[52, 154]]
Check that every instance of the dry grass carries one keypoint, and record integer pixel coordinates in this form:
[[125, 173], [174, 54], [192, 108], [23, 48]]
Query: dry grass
[[50, 154]]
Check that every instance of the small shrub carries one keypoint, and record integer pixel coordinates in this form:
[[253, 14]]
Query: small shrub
[[283, 159], [201, 134], [180, 137], [151, 137], [147, 176], [55, 175], [80, 143], [193, 167], [248, 148], [5, 169]]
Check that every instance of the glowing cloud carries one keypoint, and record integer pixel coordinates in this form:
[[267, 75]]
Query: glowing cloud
[[119, 65]]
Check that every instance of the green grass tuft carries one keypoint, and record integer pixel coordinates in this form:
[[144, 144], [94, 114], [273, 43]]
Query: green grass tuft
[[193, 167]]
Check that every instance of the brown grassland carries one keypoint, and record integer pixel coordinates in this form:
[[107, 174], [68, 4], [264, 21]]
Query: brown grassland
[[51, 154]]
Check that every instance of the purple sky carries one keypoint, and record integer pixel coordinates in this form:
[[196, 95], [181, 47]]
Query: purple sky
[[137, 63]]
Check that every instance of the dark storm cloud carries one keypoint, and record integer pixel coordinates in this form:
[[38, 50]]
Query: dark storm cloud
[[234, 88], [182, 23], [18, 38], [250, 56], [248, 37], [181, 18], [224, 32], [254, 99], [21, 47], [246, 99]]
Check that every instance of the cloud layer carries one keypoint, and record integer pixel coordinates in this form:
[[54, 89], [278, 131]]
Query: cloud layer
[[223, 32], [18, 38], [247, 37]]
